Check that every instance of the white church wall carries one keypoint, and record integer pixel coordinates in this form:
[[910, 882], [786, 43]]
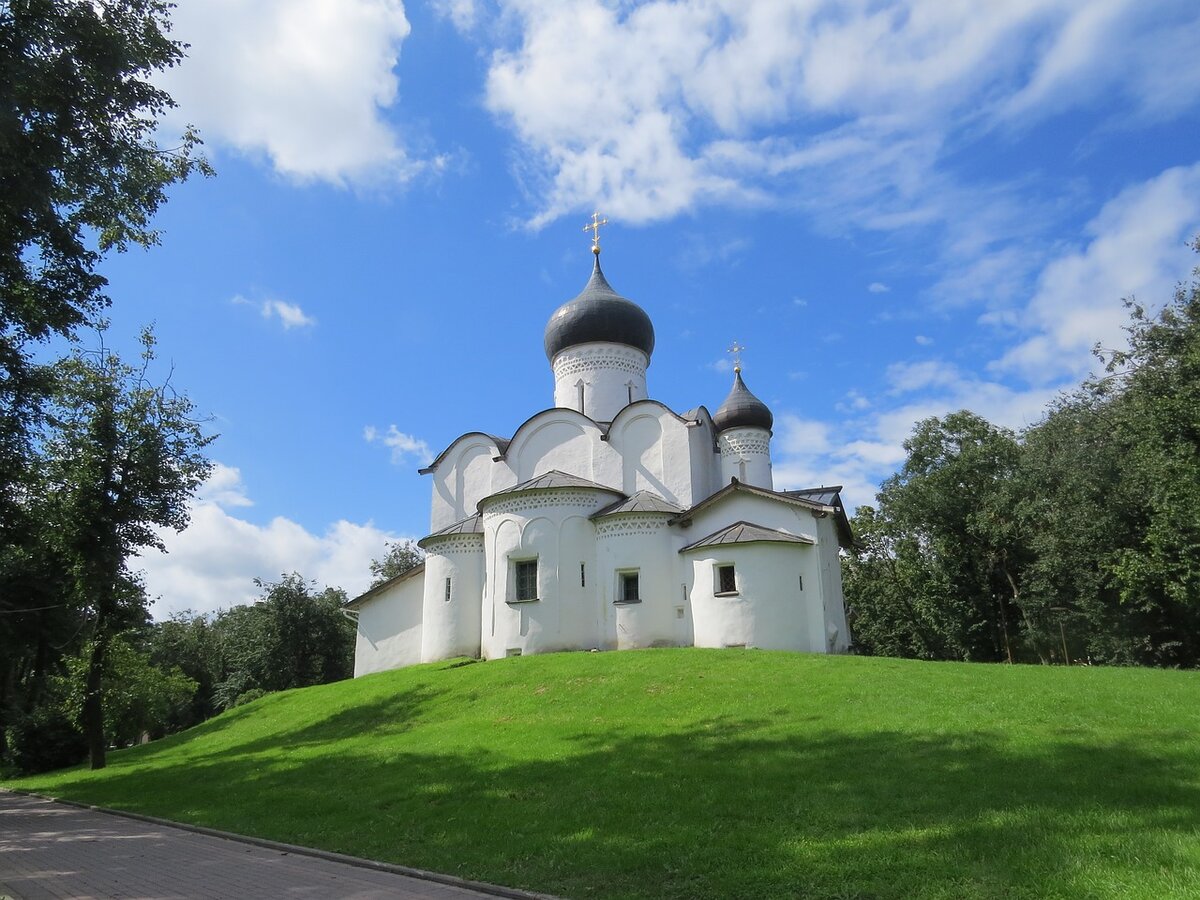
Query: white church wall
[[747, 507], [452, 597], [654, 446], [705, 463], [772, 608], [389, 628], [579, 613], [537, 526], [599, 379], [837, 630], [465, 475], [638, 543]]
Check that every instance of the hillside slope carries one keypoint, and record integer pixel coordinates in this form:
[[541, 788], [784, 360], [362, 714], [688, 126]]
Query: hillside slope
[[694, 773]]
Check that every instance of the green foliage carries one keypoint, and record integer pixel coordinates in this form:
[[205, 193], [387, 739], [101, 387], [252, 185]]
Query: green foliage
[[46, 738], [80, 171], [292, 637], [138, 696], [933, 577], [710, 773], [1081, 539], [400, 557]]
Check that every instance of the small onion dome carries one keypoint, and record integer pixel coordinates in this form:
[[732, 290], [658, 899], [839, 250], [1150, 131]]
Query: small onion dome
[[599, 314], [742, 409]]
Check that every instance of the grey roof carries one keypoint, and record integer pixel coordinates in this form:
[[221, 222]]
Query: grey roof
[[827, 496], [599, 314], [808, 499], [742, 409], [641, 502], [372, 593], [745, 533], [552, 480], [469, 525]]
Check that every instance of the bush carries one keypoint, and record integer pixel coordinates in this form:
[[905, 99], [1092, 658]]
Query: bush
[[43, 740]]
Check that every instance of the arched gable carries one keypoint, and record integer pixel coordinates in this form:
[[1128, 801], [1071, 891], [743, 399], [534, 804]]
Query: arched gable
[[463, 474], [556, 438], [653, 443]]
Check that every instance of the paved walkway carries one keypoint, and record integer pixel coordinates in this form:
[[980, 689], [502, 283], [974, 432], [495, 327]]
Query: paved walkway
[[52, 850]]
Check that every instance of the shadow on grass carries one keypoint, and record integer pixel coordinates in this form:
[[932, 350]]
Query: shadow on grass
[[723, 809]]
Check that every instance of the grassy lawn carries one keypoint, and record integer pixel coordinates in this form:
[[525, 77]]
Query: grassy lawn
[[694, 773]]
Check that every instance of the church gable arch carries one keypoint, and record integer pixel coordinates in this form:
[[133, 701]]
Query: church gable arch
[[563, 442]]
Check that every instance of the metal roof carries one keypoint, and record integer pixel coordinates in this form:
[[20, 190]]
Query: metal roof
[[742, 409], [552, 480], [598, 314], [469, 525], [374, 592], [501, 447], [826, 496], [809, 499], [641, 502], [746, 533]]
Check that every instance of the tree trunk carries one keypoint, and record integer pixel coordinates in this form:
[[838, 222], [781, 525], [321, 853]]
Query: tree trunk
[[93, 700]]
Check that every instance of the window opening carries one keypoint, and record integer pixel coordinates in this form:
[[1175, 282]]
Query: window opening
[[526, 576], [726, 580], [582, 576], [579, 388], [629, 588], [801, 577], [447, 590]]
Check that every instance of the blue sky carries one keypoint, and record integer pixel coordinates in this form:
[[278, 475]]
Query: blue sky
[[901, 209]]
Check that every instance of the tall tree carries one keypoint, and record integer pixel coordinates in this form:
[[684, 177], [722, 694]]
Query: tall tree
[[122, 458], [400, 557]]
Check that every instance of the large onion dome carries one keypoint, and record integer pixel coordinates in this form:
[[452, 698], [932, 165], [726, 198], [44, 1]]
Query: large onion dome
[[599, 314], [742, 409]]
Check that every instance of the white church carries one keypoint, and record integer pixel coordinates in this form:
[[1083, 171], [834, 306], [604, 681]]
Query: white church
[[611, 522]]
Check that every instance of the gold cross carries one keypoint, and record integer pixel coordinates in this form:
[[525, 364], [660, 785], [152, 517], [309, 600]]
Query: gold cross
[[736, 349], [594, 228]]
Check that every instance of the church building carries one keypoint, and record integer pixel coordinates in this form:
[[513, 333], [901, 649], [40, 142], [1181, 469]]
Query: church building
[[608, 521]]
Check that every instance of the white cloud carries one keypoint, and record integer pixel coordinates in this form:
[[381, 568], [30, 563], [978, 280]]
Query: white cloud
[[224, 487], [289, 314], [402, 445], [307, 83], [923, 340], [653, 108], [212, 563], [878, 287], [1138, 247]]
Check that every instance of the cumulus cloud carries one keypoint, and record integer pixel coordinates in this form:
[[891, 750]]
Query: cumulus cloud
[[212, 563], [308, 84], [403, 446], [878, 287], [1137, 247], [708, 101]]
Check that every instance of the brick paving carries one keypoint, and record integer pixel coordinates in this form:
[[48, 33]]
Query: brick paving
[[53, 850]]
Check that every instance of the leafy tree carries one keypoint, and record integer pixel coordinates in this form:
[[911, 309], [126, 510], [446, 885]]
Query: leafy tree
[[80, 170], [189, 642], [138, 696], [122, 458], [294, 636], [400, 557], [944, 549]]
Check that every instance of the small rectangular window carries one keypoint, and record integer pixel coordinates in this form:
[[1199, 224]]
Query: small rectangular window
[[526, 577], [801, 582], [629, 588], [726, 580], [447, 590], [582, 576]]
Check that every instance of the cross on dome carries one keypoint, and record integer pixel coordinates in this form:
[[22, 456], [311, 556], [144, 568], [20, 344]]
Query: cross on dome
[[594, 227], [736, 349]]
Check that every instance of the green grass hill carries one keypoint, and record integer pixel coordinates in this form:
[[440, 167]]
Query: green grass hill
[[700, 773]]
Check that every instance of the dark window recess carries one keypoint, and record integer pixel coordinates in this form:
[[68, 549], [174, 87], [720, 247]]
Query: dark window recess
[[801, 582], [527, 580], [582, 576], [447, 590], [629, 588], [726, 580]]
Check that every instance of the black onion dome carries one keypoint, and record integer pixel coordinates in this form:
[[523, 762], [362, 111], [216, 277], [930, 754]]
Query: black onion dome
[[599, 314], [742, 409]]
